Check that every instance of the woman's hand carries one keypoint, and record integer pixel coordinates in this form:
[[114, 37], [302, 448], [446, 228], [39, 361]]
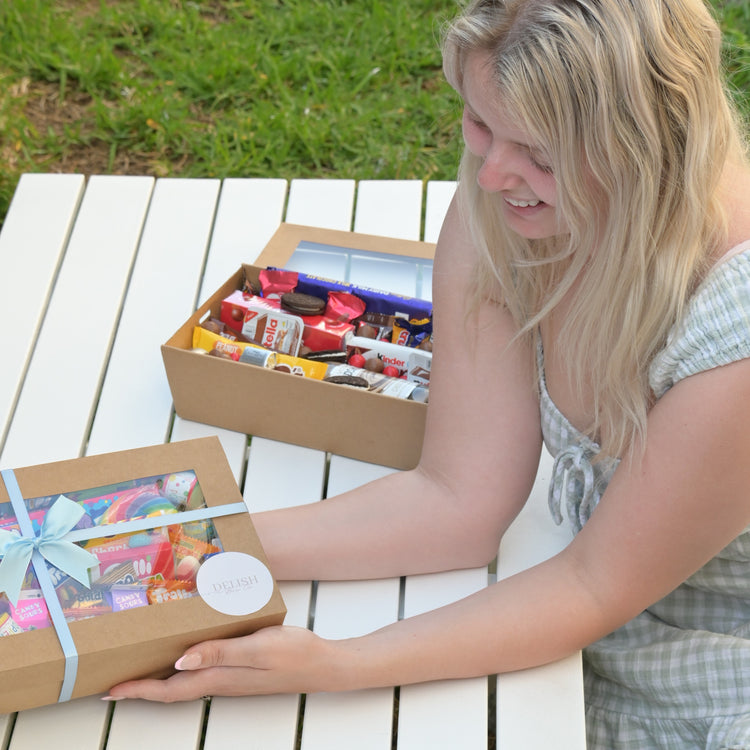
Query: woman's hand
[[279, 659]]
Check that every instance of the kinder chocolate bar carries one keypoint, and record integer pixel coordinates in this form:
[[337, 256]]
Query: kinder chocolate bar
[[413, 364]]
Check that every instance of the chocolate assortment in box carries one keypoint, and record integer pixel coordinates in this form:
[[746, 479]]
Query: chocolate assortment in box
[[310, 360], [326, 330], [112, 565]]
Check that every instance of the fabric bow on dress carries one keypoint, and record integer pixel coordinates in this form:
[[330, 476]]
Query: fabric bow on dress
[[573, 486]]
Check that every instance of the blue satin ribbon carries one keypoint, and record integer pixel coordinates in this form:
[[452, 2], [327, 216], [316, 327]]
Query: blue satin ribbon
[[55, 543], [17, 550]]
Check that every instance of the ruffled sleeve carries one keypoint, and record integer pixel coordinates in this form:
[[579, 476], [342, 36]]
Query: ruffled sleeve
[[714, 331]]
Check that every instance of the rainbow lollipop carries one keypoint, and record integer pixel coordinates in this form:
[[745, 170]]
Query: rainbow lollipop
[[137, 503]]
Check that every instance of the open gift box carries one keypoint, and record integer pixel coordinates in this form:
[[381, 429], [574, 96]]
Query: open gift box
[[173, 560], [268, 403]]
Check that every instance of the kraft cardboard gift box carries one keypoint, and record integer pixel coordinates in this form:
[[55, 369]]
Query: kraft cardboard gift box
[[346, 421], [147, 640]]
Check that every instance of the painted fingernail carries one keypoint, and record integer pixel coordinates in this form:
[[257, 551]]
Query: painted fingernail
[[189, 661]]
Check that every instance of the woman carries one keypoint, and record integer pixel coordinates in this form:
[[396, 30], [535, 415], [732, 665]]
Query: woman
[[592, 288]]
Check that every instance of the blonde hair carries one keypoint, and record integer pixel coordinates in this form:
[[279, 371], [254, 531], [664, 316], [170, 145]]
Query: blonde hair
[[628, 103]]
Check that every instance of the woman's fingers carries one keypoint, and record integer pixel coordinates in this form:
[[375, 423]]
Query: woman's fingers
[[186, 686], [275, 659]]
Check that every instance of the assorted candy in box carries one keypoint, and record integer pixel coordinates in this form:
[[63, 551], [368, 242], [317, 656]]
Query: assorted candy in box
[[133, 570], [326, 330]]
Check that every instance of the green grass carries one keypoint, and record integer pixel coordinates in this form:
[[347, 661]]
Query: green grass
[[235, 88], [735, 16], [283, 88]]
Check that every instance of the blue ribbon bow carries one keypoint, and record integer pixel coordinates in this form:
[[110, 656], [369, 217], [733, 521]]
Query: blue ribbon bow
[[51, 544]]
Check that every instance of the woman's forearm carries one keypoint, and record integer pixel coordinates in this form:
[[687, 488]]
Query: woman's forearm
[[533, 618], [404, 523]]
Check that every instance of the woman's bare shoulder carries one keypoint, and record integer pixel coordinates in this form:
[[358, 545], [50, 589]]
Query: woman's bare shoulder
[[736, 203]]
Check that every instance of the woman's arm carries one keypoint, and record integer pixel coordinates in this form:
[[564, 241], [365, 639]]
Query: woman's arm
[[479, 459], [657, 523]]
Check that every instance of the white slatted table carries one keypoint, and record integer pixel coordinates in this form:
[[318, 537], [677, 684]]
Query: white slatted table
[[94, 275]]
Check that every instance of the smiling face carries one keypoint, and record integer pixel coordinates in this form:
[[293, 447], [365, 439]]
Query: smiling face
[[513, 166]]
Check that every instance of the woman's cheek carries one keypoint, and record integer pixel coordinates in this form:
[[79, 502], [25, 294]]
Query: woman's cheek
[[475, 139]]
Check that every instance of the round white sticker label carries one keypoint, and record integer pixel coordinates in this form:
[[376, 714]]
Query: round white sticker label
[[234, 583]]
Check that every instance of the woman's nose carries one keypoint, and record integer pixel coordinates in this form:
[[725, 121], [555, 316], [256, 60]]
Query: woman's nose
[[496, 172]]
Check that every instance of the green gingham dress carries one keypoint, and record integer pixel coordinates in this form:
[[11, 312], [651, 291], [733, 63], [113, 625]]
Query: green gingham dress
[[678, 675]]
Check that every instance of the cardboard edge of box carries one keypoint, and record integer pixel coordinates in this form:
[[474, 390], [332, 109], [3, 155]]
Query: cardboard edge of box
[[340, 420], [130, 643]]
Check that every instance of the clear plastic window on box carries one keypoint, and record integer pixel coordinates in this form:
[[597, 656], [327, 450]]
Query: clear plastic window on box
[[138, 569]]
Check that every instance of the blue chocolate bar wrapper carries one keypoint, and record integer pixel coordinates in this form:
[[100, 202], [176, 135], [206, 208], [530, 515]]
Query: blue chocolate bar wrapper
[[376, 300]]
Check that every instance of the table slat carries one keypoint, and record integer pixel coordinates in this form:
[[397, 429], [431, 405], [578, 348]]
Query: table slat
[[362, 719], [344, 609], [326, 203], [263, 722], [439, 714], [321, 203], [77, 725], [451, 713], [32, 241], [135, 407], [386, 207], [270, 722], [59, 394], [439, 196], [103, 242], [157, 726], [542, 707], [248, 214]]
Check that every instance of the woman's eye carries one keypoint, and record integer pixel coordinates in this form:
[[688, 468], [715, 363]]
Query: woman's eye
[[474, 121], [542, 167]]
